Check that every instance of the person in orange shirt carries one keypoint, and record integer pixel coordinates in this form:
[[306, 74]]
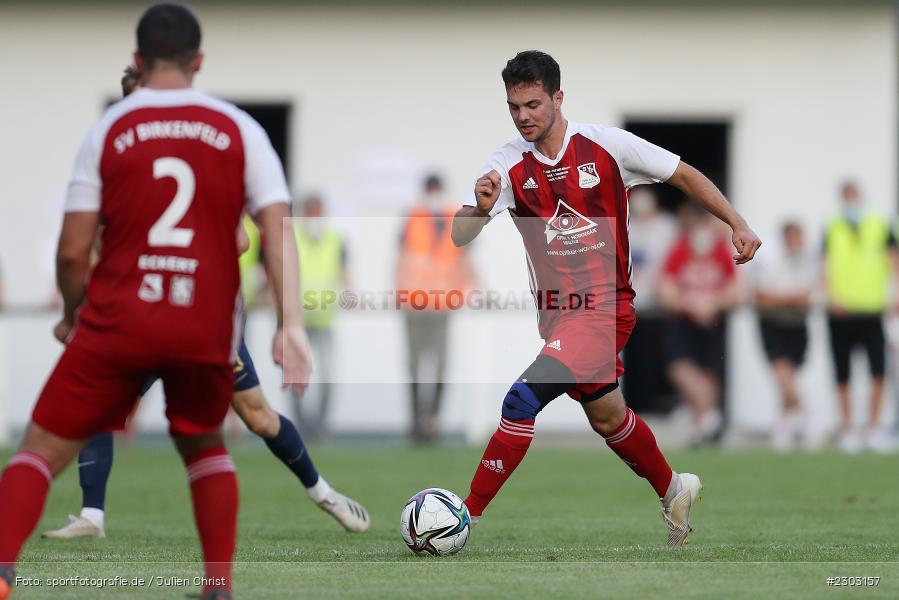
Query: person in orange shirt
[[432, 276]]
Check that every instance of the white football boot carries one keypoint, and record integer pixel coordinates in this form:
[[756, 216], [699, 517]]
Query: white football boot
[[78, 527], [676, 507], [347, 511]]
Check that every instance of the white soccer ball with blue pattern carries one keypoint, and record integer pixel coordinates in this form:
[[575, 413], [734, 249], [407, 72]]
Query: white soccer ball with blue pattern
[[435, 521]]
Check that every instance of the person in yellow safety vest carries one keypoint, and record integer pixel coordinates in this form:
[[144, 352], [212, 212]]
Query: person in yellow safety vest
[[323, 274], [860, 255], [432, 276]]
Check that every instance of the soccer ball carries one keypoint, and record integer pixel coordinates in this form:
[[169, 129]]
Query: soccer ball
[[435, 521]]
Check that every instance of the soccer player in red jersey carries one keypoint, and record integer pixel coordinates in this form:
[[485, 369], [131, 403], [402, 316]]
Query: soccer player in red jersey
[[168, 171], [566, 185], [279, 433]]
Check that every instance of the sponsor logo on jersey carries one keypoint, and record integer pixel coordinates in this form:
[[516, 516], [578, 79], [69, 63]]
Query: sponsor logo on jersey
[[555, 345], [151, 288], [181, 292], [587, 175], [530, 184], [567, 222], [494, 465], [556, 173]]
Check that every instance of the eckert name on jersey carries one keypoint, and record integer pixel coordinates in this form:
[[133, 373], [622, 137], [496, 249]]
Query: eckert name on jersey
[[172, 130], [173, 264]]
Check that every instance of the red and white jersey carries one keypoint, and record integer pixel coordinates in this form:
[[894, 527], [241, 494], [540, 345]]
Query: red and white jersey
[[572, 212], [170, 172]]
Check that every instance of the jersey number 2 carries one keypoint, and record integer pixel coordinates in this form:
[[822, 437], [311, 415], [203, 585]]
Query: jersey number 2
[[164, 232]]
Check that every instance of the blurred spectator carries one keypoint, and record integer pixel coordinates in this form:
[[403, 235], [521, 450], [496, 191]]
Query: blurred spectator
[[784, 282], [652, 231], [859, 248], [698, 287], [131, 80], [429, 260], [323, 273], [252, 276]]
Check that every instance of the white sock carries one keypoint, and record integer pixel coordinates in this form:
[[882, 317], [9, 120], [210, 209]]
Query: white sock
[[94, 515], [320, 491], [673, 489]]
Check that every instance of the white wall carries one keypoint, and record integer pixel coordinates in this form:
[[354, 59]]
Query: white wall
[[811, 94]]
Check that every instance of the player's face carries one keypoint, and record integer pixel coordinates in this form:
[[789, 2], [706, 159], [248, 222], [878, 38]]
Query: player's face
[[533, 110]]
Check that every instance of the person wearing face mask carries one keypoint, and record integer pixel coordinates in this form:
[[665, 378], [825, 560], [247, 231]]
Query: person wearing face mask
[[698, 287], [859, 251], [429, 262], [652, 231], [323, 265], [784, 284]]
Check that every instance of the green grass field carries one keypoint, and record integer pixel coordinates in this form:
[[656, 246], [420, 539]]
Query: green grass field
[[570, 523]]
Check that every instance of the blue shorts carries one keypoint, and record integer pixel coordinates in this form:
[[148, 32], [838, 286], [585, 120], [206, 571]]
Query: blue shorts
[[245, 377]]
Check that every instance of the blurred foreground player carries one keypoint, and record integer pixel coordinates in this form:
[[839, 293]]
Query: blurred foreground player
[[278, 432], [169, 170], [566, 185], [280, 435]]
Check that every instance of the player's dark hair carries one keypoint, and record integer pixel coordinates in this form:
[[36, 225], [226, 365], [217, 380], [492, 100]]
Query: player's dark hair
[[169, 32], [130, 80], [533, 67]]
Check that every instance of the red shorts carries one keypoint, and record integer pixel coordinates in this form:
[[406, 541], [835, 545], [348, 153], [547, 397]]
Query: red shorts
[[91, 392], [588, 343]]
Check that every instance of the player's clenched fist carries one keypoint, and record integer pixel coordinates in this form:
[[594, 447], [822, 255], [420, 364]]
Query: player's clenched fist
[[486, 190], [746, 243]]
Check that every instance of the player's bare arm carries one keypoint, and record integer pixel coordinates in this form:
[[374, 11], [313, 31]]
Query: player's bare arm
[[290, 349], [73, 261], [701, 189], [470, 220]]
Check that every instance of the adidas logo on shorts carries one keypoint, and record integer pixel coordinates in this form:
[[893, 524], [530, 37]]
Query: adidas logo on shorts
[[530, 184], [555, 345], [494, 465]]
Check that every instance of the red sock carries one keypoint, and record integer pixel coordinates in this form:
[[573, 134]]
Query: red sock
[[504, 452], [634, 443], [213, 487], [23, 492]]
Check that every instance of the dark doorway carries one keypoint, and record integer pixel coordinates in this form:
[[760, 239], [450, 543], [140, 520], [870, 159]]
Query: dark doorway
[[703, 144], [275, 119]]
